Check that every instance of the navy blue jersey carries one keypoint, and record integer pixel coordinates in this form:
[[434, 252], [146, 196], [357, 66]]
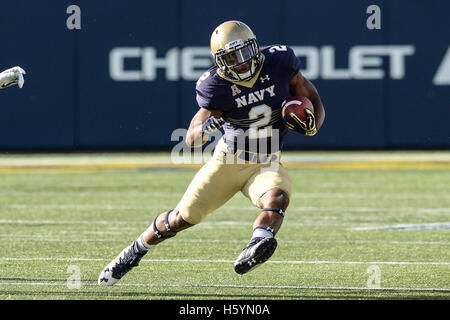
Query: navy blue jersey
[[252, 113]]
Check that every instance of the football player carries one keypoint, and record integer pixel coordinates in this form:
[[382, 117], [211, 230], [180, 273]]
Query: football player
[[242, 93], [12, 77]]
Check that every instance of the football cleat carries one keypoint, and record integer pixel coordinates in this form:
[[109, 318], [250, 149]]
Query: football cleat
[[256, 252], [121, 265]]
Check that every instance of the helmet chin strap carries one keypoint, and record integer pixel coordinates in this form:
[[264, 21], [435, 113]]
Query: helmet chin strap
[[247, 76], [242, 76]]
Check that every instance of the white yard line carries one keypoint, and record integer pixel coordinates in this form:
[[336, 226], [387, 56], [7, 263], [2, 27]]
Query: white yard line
[[227, 207], [229, 286], [314, 221], [423, 226], [152, 194], [33, 221], [78, 237], [171, 181], [205, 224], [232, 261]]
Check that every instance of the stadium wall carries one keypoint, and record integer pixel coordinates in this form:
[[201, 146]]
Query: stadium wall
[[126, 79]]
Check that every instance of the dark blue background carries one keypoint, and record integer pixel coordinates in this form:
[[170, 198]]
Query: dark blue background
[[69, 100]]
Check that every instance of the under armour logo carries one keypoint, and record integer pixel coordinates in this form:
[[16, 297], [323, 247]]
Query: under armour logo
[[265, 78]]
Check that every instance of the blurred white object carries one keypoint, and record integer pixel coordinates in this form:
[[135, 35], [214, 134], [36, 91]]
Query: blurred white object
[[12, 77]]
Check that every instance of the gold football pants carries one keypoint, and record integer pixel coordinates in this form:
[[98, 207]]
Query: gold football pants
[[219, 180]]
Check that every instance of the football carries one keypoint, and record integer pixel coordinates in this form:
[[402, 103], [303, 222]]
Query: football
[[296, 105]]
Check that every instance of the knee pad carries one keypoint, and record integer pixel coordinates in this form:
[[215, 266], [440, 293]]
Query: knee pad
[[280, 211], [170, 232]]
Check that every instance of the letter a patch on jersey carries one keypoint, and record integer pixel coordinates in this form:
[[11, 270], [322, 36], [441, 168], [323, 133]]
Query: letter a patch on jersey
[[235, 90]]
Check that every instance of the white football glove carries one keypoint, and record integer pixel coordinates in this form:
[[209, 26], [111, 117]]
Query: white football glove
[[12, 77]]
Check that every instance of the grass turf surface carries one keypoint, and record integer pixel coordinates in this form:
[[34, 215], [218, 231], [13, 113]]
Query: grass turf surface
[[342, 222]]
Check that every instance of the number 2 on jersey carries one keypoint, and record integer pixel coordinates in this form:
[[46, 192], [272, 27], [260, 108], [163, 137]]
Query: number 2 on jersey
[[255, 130]]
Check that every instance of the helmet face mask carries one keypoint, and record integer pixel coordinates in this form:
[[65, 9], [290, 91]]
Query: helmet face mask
[[235, 51]]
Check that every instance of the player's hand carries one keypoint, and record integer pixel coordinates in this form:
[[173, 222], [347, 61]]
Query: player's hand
[[12, 77], [212, 124], [307, 127]]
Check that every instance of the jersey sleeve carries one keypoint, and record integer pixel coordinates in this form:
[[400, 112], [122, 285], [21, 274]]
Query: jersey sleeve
[[203, 99], [208, 93], [293, 64], [288, 63]]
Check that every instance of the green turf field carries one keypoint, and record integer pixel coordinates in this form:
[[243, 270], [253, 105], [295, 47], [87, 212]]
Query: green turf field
[[354, 218]]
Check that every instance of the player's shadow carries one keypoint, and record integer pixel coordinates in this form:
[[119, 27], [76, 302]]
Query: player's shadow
[[183, 296], [322, 294], [146, 295]]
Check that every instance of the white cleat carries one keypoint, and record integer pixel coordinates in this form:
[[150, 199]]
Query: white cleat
[[106, 276], [121, 265]]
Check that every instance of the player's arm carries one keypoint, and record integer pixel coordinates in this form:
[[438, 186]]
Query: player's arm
[[202, 124], [12, 77], [300, 86]]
